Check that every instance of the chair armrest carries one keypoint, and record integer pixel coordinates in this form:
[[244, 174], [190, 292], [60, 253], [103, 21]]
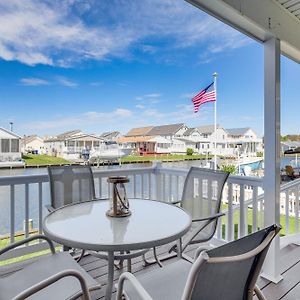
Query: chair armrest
[[25, 241], [200, 249], [218, 215], [52, 279], [49, 208], [143, 294]]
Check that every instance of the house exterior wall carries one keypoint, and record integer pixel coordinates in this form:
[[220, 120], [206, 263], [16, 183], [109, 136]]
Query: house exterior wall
[[10, 148], [36, 144]]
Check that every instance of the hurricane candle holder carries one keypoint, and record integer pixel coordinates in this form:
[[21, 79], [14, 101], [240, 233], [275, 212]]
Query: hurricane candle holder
[[119, 205]]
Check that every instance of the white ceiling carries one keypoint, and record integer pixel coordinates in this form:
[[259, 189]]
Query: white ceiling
[[260, 19], [292, 6]]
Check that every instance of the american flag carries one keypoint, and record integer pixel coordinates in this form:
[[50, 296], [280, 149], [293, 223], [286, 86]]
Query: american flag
[[206, 95]]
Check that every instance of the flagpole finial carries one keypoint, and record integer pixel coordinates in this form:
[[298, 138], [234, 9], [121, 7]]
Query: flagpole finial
[[215, 74]]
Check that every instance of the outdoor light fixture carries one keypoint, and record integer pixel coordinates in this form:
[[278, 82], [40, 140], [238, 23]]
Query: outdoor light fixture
[[119, 205]]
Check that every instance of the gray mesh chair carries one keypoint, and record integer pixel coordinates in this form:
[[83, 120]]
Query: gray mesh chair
[[226, 272], [56, 271], [201, 197], [70, 184]]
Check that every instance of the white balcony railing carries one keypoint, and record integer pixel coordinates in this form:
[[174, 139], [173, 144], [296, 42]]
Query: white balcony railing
[[23, 198]]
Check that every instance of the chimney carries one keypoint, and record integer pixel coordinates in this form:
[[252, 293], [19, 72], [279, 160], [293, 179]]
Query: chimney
[[11, 126]]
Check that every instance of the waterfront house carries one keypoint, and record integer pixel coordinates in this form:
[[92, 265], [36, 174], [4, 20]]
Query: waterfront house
[[72, 145], [145, 145], [171, 131], [9, 146], [32, 143], [245, 140], [209, 137]]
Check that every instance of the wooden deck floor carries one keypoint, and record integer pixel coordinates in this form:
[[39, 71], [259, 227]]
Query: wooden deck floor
[[287, 289]]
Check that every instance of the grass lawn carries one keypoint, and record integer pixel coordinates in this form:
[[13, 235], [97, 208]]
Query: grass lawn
[[169, 157], [37, 159], [5, 242], [292, 228]]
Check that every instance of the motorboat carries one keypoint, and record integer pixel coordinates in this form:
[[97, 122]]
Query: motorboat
[[109, 151]]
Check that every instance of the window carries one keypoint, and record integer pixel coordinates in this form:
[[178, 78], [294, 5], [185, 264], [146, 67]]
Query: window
[[14, 145], [5, 145]]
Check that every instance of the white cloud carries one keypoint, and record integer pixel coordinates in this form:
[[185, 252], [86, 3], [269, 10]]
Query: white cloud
[[66, 82], [140, 106], [92, 118], [154, 95], [63, 32], [34, 81]]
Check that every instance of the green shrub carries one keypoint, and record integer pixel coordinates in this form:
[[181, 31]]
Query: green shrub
[[259, 154], [189, 151], [229, 168]]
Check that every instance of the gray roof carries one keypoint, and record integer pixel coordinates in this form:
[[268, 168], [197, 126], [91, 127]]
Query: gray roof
[[237, 131], [189, 131], [207, 129], [10, 132], [165, 129], [63, 136], [110, 135]]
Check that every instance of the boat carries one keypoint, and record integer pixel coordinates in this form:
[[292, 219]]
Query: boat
[[12, 164], [109, 151]]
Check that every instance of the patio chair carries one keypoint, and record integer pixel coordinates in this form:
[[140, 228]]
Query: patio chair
[[28, 277], [70, 184], [201, 197], [228, 272]]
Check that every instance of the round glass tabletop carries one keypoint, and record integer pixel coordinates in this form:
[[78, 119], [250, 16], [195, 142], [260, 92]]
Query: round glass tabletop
[[86, 226]]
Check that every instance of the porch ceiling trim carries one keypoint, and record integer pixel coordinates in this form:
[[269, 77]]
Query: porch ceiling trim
[[260, 20]]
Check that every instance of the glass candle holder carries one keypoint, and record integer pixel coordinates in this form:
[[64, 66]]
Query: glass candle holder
[[119, 204]]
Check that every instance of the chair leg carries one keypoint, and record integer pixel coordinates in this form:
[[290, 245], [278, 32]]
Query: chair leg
[[81, 256], [156, 260], [259, 293], [128, 263]]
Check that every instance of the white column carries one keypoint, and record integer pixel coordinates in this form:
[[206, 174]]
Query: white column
[[271, 269]]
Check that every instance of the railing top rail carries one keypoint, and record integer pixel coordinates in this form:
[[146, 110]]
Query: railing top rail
[[36, 178]]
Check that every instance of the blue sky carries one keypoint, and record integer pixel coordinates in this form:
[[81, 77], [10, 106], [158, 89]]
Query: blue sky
[[113, 65]]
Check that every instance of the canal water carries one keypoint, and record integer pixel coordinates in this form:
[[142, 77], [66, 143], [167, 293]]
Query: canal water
[[33, 192]]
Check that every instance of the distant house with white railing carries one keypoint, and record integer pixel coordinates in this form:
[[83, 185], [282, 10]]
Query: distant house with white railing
[[156, 139], [208, 138], [245, 140], [71, 145], [33, 143], [9, 146]]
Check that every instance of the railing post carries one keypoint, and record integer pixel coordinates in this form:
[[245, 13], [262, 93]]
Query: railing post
[[271, 270], [158, 179]]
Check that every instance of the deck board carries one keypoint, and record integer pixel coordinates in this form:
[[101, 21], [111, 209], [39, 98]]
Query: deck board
[[287, 289]]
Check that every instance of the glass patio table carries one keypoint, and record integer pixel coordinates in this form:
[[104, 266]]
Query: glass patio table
[[86, 226]]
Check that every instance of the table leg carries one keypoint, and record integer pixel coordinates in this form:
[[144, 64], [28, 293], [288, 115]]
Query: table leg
[[110, 278], [179, 248]]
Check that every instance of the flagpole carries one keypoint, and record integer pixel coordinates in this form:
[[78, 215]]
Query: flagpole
[[215, 104]]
